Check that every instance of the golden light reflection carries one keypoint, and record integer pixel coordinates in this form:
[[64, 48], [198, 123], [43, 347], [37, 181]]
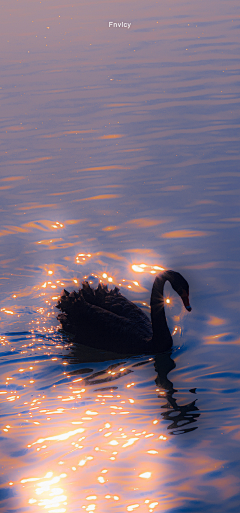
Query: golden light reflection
[[109, 228], [152, 505], [56, 497], [12, 178], [99, 197], [63, 436], [35, 206], [57, 225], [145, 475], [43, 225], [216, 339], [141, 268], [111, 136], [114, 497], [82, 258], [145, 223], [216, 321], [131, 441], [183, 234], [85, 460], [137, 268], [56, 441], [9, 312], [47, 242], [50, 495]]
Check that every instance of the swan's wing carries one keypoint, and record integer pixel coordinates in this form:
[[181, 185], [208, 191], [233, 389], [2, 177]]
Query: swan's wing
[[113, 301], [132, 324], [125, 308]]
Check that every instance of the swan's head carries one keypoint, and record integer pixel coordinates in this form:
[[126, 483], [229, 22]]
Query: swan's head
[[185, 299], [180, 285]]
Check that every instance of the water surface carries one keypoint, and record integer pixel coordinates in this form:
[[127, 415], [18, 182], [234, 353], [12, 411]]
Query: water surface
[[120, 154]]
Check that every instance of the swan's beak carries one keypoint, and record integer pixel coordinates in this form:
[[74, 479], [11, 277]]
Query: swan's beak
[[185, 300]]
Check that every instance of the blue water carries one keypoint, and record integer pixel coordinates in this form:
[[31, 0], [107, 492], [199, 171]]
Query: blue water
[[120, 147]]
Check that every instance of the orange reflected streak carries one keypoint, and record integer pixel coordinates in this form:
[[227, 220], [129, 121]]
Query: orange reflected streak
[[145, 475], [13, 229], [207, 265], [215, 339], [32, 161], [30, 479], [140, 268], [180, 234], [112, 136], [82, 462], [137, 269], [64, 436], [111, 255], [110, 228], [103, 168], [59, 134], [131, 441], [46, 242], [43, 225], [101, 197], [153, 505], [15, 128], [216, 321], [32, 206], [145, 222], [12, 178]]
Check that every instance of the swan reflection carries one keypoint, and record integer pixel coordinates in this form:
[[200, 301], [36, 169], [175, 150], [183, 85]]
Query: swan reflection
[[179, 416]]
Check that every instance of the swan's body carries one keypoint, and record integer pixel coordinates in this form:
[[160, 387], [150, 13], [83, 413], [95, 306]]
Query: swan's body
[[106, 319]]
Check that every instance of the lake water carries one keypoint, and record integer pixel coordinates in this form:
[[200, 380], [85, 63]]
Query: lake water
[[120, 147]]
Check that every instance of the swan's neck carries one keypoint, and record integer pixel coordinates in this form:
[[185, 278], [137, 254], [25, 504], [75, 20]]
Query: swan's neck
[[161, 335]]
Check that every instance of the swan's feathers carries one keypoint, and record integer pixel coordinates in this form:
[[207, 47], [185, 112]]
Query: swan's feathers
[[106, 309]]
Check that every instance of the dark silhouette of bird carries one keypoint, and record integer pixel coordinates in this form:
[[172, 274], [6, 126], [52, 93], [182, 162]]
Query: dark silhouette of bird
[[106, 320]]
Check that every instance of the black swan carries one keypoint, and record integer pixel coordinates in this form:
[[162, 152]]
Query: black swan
[[105, 319]]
